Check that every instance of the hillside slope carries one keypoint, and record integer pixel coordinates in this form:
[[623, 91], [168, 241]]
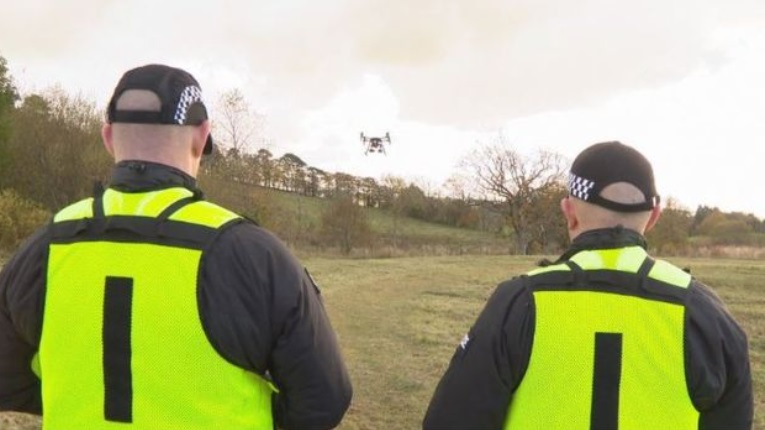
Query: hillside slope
[[297, 219]]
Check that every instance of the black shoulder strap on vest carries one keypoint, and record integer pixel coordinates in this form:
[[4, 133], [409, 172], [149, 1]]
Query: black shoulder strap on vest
[[98, 223], [177, 205], [98, 200], [580, 275], [644, 270], [646, 267]]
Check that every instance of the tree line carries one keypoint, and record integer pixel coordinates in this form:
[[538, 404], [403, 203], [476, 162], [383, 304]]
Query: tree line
[[51, 154]]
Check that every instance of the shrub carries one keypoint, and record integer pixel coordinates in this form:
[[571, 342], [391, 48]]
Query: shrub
[[346, 224], [19, 218]]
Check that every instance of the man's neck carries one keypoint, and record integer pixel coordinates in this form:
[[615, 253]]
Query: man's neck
[[187, 166], [140, 175]]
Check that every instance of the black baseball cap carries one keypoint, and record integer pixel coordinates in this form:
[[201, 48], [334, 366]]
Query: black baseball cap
[[178, 91], [607, 163]]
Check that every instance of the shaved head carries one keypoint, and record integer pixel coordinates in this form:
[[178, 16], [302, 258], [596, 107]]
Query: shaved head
[[138, 141], [173, 145], [583, 216]]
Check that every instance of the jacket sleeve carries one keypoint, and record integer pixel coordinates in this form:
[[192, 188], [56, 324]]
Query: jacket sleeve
[[263, 312], [718, 369], [476, 390], [22, 294]]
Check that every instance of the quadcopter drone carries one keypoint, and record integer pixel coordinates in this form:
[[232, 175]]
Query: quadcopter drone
[[375, 144]]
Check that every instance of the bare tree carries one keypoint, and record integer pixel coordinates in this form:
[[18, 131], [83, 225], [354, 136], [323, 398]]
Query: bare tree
[[511, 182], [238, 125], [546, 224]]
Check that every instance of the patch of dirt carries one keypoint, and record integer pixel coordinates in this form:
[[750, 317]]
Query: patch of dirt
[[19, 421]]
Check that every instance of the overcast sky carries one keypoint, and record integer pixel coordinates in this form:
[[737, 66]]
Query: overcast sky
[[681, 80]]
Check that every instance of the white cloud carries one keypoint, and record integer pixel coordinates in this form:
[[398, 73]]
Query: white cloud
[[673, 77], [702, 133], [466, 63]]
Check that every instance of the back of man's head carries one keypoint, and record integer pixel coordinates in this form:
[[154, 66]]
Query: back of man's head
[[152, 142], [612, 184], [154, 114]]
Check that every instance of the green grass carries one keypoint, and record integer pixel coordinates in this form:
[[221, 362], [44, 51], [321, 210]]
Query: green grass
[[398, 321]]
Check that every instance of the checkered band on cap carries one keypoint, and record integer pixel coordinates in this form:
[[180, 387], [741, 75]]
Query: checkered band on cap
[[190, 95], [580, 187]]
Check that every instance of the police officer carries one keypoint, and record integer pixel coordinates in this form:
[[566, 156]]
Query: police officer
[[605, 337], [148, 307]]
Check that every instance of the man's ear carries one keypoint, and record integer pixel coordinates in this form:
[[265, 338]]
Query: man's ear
[[655, 215], [567, 207], [200, 138], [108, 138]]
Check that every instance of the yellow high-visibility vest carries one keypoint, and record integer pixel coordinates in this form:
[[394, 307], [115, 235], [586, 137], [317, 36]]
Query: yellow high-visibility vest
[[122, 342], [603, 358]]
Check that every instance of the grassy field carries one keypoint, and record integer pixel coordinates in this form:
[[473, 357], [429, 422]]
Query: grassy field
[[399, 321]]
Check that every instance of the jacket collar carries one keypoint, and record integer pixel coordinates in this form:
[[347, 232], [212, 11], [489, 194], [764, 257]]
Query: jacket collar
[[604, 238], [139, 176]]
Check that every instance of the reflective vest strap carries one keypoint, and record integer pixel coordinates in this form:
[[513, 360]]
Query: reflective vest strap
[[622, 259], [204, 213], [665, 272], [148, 204], [80, 210], [627, 260], [581, 276], [632, 260], [172, 204]]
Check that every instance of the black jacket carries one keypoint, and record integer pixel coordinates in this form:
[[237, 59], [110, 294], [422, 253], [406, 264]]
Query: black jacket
[[477, 388], [259, 307]]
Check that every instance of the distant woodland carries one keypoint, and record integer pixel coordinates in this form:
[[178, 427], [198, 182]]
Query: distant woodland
[[51, 154]]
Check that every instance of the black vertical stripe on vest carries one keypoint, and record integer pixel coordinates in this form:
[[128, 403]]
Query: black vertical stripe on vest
[[607, 372], [118, 380]]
